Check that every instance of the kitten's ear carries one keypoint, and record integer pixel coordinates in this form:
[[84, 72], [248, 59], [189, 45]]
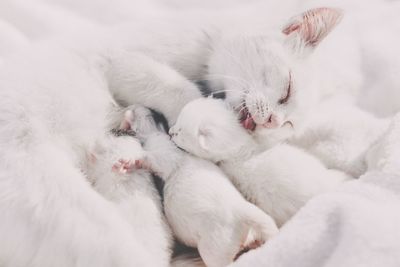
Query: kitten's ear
[[204, 135], [308, 29], [127, 121]]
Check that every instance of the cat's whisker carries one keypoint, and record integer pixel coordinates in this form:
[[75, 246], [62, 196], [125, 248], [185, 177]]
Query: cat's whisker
[[224, 91], [243, 108], [242, 82], [242, 104]]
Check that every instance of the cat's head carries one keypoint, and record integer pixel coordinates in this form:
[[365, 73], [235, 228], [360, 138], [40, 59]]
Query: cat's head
[[265, 77], [208, 128]]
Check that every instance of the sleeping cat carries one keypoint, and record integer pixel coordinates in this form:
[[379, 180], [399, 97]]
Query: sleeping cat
[[279, 180], [268, 74], [202, 206], [267, 77]]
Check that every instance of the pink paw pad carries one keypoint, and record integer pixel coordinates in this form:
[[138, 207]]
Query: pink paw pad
[[123, 166]]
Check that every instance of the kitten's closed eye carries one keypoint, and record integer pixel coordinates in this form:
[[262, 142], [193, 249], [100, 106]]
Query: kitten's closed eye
[[285, 99]]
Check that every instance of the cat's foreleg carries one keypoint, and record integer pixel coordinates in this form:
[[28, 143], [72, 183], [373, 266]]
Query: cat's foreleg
[[135, 78]]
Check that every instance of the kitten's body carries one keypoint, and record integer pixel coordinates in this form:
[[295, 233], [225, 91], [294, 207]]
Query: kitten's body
[[203, 207], [133, 193], [53, 110], [279, 180]]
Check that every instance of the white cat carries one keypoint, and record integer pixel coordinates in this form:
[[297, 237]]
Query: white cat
[[279, 181], [271, 77], [134, 193], [55, 106], [202, 206], [268, 74]]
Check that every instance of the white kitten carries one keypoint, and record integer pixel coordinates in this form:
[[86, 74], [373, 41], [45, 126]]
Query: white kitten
[[132, 191], [279, 180], [202, 206]]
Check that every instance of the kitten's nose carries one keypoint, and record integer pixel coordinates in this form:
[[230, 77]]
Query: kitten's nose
[[171, 132], [272, 122]]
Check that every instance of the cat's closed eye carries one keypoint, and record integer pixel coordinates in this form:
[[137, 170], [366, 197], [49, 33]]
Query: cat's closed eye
[[285, 99]]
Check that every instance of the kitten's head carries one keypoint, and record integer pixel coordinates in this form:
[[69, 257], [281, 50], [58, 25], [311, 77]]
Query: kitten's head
[[264, 76], [142, 121], [209, 129]]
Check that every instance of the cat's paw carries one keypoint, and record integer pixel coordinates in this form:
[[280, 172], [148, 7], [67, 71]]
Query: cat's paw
[[123, 166]]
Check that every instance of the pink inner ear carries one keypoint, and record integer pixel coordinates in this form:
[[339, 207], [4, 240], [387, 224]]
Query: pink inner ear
[[126, 123], [314, 25]]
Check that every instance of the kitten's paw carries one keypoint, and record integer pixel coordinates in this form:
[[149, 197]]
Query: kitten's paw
[[142, 164], [123, 166], [246, 248]]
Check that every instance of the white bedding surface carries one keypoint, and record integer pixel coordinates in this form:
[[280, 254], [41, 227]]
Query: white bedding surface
[[359, 224]]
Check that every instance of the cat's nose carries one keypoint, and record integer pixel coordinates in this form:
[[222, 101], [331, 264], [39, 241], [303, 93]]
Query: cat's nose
[[271, 122]]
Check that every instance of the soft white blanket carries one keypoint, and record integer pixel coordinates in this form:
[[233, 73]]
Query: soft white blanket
[[359, 224]]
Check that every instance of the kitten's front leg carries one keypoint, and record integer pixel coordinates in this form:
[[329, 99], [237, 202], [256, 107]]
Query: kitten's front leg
[[135, 78], [127, 166], [161, 156], [123, 166]]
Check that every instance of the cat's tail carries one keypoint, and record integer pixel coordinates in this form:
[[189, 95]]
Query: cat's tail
[[187, 260], [261, 227]]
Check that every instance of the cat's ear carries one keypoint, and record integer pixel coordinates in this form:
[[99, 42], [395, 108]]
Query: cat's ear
[[307, 30], [127, 121]]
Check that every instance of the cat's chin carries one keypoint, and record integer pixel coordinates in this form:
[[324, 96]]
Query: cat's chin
[[268, 137]]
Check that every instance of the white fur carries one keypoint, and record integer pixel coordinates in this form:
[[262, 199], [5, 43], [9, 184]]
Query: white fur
[[55, 107], [250, 63], [203, 207], [340, 134], [279, 180], [254, 69], [161, 87], [384, 155], [133, 193], [53, 110]]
